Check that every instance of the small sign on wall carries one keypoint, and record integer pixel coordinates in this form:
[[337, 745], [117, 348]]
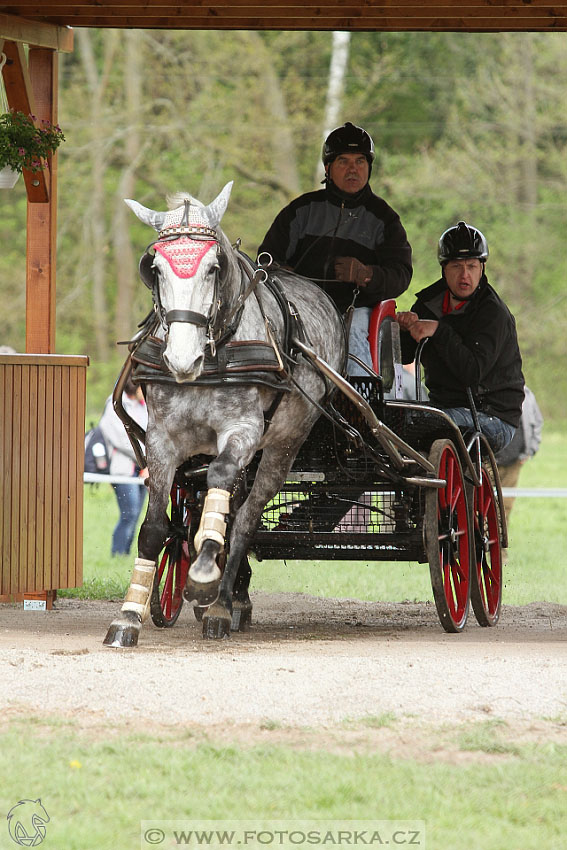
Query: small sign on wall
[[35, 605], [38, 600]]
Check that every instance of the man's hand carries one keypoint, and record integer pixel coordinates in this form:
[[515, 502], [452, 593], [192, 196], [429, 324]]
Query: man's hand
[[352, 270], [418, 328], [423, 328], [406, 320]]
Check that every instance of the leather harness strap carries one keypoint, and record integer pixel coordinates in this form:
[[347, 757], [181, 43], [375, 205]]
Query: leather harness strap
[[187, 316]]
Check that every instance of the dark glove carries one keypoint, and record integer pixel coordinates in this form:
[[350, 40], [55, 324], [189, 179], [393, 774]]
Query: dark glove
[[352, 270]]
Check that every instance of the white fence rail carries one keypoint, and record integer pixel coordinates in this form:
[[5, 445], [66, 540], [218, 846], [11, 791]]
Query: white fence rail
[[97, 478], [516, 492], [535, 493]]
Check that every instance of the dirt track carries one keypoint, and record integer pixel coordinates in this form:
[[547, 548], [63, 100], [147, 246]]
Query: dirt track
[[306, 662]]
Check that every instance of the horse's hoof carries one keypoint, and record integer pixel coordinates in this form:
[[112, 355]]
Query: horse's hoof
[[199, 612], [216, 623], [203, 594], [215, 628], [241, 616], [121, 634]]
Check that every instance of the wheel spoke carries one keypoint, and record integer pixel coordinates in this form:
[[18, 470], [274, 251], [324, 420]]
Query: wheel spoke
[[164, 560], [450, 478], [456, 500], [456, 588], [166, 593]]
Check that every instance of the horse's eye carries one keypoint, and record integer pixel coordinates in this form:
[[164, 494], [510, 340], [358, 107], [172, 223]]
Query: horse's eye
[[214, 268]]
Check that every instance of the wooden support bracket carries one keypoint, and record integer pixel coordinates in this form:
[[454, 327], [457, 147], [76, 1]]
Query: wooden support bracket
[[20, 98]]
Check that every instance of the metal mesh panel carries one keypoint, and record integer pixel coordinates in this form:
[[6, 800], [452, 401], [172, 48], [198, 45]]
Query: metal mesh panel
[[315, 521]]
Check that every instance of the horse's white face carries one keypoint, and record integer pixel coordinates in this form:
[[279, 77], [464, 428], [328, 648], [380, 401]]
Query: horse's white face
[[184, 354], [186, 270]]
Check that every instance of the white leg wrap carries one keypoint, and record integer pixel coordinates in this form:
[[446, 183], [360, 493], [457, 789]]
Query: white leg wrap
[[213, 518], [138, 596]]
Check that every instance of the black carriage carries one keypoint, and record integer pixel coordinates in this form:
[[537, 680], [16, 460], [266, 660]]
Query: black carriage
[[378, 478]]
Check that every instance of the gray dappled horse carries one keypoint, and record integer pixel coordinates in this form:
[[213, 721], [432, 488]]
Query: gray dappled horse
[[211, 301]]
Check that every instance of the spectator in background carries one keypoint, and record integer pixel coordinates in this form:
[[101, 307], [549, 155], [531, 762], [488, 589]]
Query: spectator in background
[[130, 497], [524, 444]]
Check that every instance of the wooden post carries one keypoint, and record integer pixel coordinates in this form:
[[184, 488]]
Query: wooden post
[[42, 217]]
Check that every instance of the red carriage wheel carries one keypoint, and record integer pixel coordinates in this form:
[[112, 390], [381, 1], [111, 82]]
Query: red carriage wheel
[[448, 538], [486, 582], [173, 564]]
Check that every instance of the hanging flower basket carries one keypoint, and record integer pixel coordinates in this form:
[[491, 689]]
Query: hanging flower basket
[[23, 145]]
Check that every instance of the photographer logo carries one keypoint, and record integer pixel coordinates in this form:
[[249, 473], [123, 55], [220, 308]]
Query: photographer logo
[[26, 823]]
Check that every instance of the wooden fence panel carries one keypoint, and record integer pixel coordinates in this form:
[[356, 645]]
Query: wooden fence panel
[[42, 426]]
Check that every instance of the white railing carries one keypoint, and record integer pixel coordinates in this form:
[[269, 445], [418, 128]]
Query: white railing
[[516, 492], [97, 478]]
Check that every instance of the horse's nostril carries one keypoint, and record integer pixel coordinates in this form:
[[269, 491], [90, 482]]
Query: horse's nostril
[[184, 373]]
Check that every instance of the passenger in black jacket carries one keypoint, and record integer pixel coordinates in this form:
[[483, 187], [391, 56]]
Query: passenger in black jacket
[[345, 237], [472, 340]]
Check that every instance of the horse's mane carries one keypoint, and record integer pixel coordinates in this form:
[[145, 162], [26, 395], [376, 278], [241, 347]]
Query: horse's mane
[[178, 198]]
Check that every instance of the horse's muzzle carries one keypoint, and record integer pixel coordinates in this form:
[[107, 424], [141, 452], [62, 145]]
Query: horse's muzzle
[[184, 375]]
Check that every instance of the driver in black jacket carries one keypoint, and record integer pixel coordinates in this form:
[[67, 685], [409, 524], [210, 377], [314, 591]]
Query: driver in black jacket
[[344, 237], [472, 340]]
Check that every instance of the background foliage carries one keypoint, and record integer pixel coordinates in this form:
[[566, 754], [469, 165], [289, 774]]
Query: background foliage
[[467, 126]]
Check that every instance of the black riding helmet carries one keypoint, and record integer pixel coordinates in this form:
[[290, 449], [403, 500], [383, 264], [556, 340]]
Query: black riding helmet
[[462, 242], [347, 139]]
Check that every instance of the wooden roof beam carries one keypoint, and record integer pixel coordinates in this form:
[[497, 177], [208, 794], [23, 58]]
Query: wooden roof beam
[[316, 20], [150, 7], [249, 8], [36, 33]]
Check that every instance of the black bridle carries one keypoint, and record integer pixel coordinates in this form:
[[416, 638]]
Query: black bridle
[[220, 325]]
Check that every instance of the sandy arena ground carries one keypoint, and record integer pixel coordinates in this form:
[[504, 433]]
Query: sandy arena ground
[[306, 662]]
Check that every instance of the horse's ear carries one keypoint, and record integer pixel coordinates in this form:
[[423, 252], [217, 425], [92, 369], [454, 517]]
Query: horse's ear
[[217, 208], [151, 217]]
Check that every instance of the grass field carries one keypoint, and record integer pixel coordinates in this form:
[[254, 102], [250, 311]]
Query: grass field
[[535, 570], [98, 785]]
